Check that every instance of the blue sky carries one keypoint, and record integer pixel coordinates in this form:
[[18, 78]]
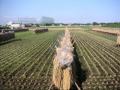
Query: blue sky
[[67, 11]]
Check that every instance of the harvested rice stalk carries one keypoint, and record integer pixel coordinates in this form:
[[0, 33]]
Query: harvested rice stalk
[[57, 74], [118, 40], [63, 75], [67, 78]]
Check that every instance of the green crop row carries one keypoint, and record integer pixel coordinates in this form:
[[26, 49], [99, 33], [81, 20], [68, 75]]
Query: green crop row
[[26, 64], [100, 59]]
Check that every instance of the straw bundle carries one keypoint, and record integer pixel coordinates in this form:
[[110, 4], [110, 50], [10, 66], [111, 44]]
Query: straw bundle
[[67, 79], [40, 30], [118, 39], [106, 30], [62, 71], [57, 74], [6, 36]]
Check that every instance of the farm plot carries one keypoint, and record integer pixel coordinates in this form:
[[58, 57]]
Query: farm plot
[[100, 59], [26, 64]]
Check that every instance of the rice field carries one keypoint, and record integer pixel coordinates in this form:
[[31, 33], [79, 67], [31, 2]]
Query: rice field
[[26, 63], [100, 59]]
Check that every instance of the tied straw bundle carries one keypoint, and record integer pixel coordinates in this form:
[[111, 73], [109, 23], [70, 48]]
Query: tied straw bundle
[[63, 64], [118, 39]]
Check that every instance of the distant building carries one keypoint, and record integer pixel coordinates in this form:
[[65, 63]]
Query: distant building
[[61, 25], [15, 25]]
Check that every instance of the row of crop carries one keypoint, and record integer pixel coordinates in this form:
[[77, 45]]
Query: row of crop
[[101, 53], [104, 35], [33, 67], [107, 48], [24, 56], [18, 60], [17, 48], [99, 59], [87, 55]]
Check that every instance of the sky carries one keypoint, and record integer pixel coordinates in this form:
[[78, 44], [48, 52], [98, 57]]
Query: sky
[[65, 11]]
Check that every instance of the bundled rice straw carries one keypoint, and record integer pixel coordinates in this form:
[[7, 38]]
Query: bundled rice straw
[[113, 31], [63, 61], [118, 39], [67, 79]]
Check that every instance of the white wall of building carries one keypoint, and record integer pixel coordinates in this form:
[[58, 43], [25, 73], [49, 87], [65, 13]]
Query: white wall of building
[[15, 25]]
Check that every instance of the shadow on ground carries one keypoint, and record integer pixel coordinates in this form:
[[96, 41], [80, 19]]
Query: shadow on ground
[[81, 74]]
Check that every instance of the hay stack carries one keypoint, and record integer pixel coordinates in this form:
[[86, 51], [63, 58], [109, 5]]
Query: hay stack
[[106, 30], [4, 36], [63, 75], [40, 30]]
